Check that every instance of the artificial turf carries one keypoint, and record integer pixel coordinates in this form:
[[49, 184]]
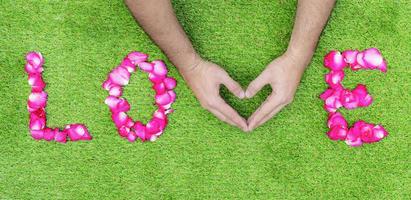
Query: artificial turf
[[198, 156]]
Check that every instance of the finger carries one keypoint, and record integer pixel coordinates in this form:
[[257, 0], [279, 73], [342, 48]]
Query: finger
[[256, 85], [230, 113], [268, 106], [233, 86], [269, 116], [221, 116]]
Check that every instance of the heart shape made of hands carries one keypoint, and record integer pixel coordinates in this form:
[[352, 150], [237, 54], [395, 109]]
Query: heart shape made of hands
[[283, 75]]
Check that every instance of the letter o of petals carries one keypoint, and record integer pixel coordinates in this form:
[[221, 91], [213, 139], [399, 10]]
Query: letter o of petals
[[164, 97]]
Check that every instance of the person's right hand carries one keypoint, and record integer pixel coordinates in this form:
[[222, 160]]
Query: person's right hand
[[205, 78]]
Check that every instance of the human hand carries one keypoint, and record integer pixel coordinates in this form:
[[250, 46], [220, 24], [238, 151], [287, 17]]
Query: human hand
[[283, 75], [205, 79]]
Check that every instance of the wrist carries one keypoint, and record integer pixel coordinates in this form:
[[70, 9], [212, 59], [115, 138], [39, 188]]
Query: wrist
[[299, 55], [185, 60]]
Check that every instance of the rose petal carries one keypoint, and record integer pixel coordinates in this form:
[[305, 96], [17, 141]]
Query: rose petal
[[170, 83], [372, 58], [137, 57], [119, 76], [116, 91], [36, 82], [140, 130], [160, 68], [35, 59], [334, 78], [37, 134], [49, 134], [334, 61], [349, 100], [364, 99], [37, 123], [146, 66], [132, 136], [383, 66], [336, 119], [60, 136], [360, 60], [30, 69], [126, 63], [159, 88], [350, 57], [37, 100], [327, 93], [337, 133], [119, 119], [77, 132], [155, 79], [163, 99], [108, 84], [124, 131]]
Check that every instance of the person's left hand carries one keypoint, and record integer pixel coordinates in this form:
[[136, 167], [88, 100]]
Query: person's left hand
[[283, 75]]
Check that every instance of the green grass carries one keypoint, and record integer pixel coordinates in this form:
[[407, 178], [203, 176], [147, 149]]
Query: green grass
[[198, 156]]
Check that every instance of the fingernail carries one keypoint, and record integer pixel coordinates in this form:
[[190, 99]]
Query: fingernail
[[241, 95], [247, 94]]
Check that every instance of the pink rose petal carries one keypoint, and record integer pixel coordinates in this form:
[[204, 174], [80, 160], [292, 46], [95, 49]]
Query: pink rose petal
[[119, 119], [372, 58], [120, 76], [77, 132], [30, 69], [36, 82], [124, 131], [60, 136], [360, 61], [155, 78], [336, 119], [108, 84], [163, 99], [132, 136], [337, 132], [327, 93], [37, 134], [349, 100], [116, 91], [383, 66], [364, 99], [146, 66], [160, 68], [379, 133], [170, 83], [137, 57], [350, 57], [49, 134], [35, 59], [334, 78], [334, 61], [37, 123], [126, 63], [37, 100], [140, 130], [159, 88], [333, 102]]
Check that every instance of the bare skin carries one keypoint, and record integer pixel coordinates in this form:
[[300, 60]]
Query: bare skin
[[283, 74]]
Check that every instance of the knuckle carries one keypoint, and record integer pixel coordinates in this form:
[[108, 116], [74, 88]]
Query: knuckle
[[205, 104], [287, 100]]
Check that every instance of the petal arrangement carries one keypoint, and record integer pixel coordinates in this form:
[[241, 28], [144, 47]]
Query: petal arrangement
[[164, 97], [36, 106], [337, 96]]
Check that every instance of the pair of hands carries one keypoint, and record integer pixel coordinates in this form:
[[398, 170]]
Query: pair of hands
[[282, 74]]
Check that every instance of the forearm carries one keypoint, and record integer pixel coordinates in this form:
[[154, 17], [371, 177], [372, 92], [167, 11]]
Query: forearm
[[311, 17], [157, 18]]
